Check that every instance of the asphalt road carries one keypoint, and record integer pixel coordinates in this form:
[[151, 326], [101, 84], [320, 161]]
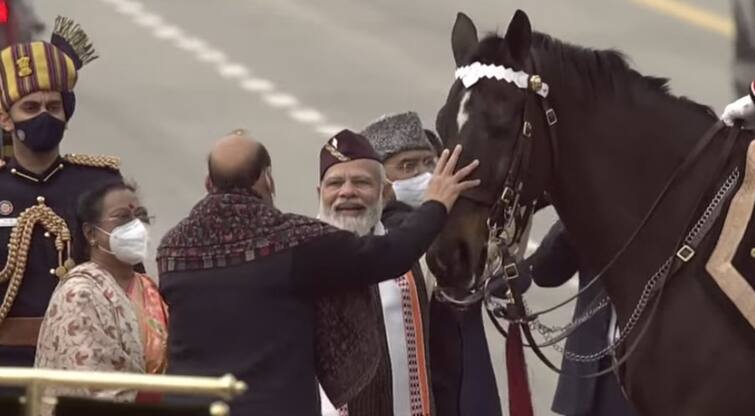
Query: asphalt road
[[176, 74]]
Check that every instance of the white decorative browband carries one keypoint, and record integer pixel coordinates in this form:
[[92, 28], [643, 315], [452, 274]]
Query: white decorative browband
[[470, 74]]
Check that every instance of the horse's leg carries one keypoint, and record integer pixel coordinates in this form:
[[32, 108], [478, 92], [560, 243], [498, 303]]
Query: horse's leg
[[694, 360]]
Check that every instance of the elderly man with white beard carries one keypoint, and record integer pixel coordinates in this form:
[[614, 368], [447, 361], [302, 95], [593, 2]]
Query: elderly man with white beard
[[352, 190]]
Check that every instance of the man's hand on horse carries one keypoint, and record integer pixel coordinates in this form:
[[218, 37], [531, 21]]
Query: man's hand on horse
[[446, 185], [742, 109]]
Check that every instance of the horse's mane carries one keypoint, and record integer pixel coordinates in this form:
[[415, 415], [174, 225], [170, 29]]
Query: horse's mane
[[593, 70]]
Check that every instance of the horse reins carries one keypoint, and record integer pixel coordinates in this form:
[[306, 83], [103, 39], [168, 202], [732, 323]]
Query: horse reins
[[509, 209]]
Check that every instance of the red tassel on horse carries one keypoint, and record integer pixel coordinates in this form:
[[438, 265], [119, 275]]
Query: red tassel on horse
[[520, 398]]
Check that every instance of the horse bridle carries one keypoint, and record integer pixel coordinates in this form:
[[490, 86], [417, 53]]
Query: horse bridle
[[510, 210], [510, 213]]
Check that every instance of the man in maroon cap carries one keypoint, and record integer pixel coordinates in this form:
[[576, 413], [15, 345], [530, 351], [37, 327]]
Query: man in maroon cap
[[352, 190], [281, 300]]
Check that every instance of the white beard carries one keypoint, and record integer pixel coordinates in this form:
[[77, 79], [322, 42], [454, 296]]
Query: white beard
[[361, 225]]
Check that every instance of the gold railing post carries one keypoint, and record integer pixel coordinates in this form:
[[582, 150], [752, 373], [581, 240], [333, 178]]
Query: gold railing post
[[33, 399], [35, 380]]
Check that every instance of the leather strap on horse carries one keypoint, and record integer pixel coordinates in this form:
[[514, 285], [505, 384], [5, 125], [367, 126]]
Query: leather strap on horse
[[691, 157], [520, 310], [500, 206]]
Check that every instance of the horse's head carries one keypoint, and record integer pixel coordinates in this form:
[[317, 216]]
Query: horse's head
[[483, 113]]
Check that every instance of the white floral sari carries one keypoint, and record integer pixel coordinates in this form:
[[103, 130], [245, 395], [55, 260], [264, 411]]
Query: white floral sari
[[90, 325]]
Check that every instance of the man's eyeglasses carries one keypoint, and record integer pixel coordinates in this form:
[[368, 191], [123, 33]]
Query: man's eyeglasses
[[414, 167]]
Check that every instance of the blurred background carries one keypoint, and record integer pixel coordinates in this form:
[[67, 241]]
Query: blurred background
[[174, 75]]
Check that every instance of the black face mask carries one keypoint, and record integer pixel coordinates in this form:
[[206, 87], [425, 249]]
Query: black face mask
[[41, 133]]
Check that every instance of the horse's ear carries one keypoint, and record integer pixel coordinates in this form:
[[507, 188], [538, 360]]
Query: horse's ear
[[519, 36], [463, 38]]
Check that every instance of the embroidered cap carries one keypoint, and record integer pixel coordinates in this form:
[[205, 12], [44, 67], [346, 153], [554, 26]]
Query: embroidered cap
[[343, 147], [395, 133], [29, 67]]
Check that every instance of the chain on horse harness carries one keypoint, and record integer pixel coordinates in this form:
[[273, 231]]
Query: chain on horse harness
[[511, 212]]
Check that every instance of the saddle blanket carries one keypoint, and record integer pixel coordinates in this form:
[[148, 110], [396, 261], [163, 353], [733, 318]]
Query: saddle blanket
[[732, 263]]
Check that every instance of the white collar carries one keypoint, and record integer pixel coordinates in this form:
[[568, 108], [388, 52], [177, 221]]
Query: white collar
[[379, 229]]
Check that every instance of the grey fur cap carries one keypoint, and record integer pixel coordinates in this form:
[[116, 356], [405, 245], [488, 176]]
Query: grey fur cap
[[395, 133]]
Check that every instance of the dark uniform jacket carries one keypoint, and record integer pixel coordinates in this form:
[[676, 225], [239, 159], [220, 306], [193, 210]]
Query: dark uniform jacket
[[553, 264], [256, 319], [60, 186]]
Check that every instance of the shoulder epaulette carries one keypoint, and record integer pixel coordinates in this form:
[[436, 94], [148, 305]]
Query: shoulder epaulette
[[95, 161]]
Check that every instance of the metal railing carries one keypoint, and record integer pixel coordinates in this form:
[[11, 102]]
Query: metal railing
[[34, 380]]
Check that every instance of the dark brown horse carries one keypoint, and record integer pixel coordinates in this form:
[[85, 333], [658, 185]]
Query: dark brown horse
[[620, 136]]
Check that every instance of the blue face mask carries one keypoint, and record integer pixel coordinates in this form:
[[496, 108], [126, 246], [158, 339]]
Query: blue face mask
[[41, 133]]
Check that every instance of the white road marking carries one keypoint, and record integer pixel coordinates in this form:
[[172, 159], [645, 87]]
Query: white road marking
[[212, 56], [257, 85], [168, 32], [148, 20], [230, 70], [280, 100], [129, 8], [226, 68], [306, 115], [191, 44]]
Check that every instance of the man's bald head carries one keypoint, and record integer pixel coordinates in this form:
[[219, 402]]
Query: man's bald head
[[237, 162]]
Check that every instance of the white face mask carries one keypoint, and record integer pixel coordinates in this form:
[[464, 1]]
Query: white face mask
[[129, 242], [412, 191]]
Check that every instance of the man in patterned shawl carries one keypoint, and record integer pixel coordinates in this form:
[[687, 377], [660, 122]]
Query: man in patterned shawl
[[280, 300]]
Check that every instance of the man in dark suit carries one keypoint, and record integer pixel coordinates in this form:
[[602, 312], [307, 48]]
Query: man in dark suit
[[553, 264], [246, 284]]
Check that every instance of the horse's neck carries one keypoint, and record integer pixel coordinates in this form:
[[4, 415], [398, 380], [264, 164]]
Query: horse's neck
[[614, 159]]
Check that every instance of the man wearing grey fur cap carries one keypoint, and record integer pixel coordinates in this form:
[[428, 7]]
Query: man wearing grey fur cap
[[462, 377], [408, 157]]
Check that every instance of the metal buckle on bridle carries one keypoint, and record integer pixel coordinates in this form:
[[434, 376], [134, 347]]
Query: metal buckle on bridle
[[506, 195], [510, 271], [527, 129], [550, 116], [685, 253]]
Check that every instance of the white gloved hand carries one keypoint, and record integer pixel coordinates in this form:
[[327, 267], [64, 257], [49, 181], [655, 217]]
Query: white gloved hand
[[742, 109]]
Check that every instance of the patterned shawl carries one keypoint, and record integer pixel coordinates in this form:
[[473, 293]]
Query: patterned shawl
[[226, 229]]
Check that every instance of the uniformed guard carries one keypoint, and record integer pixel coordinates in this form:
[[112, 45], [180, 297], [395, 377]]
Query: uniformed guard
[[38, 186]]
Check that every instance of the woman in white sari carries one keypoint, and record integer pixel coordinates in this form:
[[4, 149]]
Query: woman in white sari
[[96, 317]]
